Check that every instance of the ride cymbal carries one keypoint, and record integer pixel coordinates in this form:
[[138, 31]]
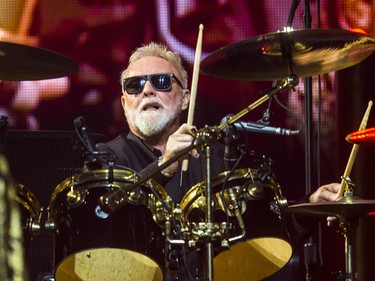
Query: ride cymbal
[[20, 62], [344, 207], [275, 56], [362, 137]]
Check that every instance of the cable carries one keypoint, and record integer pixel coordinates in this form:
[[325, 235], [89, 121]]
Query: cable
[[291, 112]]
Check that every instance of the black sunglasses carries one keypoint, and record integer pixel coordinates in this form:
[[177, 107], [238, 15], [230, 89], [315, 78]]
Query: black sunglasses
[[160, 82]]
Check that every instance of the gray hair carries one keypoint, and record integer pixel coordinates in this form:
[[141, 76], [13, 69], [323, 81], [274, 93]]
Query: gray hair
[[159, 50]]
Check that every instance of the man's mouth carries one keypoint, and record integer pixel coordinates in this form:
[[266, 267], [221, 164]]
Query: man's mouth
[[151, 106]]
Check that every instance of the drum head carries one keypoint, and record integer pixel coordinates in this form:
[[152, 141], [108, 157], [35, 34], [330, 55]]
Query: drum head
[[108, 264], [253, 259]]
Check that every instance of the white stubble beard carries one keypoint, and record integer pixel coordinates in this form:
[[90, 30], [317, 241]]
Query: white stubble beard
[[152, 122]]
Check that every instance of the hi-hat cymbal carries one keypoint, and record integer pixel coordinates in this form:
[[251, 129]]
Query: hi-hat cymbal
[[20, 62], [363, 137], [311, 52], [344, 207]]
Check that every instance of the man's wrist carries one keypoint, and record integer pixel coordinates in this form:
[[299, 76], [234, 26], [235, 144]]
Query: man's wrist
[[164, 173]]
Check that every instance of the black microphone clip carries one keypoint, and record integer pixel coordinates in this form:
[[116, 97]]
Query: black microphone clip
[[231, 152], [85, 138]]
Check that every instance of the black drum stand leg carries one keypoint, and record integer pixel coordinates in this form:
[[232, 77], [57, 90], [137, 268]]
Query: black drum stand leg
[[348, 231], [310, 257]]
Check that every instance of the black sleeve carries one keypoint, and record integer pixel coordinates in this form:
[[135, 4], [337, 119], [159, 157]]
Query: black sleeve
[[304, 225]]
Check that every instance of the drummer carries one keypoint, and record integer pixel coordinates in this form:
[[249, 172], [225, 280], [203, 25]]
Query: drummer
[[154, 97]]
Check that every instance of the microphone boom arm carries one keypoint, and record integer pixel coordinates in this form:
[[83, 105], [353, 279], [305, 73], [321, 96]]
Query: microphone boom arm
[[289, 82]]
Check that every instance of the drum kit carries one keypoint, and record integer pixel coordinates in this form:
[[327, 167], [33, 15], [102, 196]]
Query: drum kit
[[113, 224]]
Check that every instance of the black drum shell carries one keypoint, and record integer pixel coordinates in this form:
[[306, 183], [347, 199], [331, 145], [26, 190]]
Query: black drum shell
[[81, 225], [262, 214]]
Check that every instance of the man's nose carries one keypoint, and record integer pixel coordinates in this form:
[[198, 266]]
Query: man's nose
[[148, 89]]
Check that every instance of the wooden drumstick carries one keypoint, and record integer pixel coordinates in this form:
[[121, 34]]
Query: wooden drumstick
[[354, 151], [26, 19], [194, 84]]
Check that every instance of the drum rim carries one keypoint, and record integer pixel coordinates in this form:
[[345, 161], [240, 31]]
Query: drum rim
[[31, 204], [96, 178], [197, 190]]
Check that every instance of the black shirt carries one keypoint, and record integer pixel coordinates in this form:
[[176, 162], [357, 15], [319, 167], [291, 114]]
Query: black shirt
[[131, 152]]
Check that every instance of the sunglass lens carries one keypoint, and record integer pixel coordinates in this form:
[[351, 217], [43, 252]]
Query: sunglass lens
[[161, 82], [134, 85]]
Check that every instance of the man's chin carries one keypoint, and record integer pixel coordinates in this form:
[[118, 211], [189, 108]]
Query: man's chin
[[150, 127], [150, 131]]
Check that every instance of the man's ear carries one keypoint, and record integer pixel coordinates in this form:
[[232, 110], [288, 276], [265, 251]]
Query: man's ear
[[123, 101], [185, 99]]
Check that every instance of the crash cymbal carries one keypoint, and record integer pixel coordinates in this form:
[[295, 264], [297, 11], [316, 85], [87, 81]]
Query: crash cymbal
[[311, 52], [363, 137], [20, 62], [344, 207]]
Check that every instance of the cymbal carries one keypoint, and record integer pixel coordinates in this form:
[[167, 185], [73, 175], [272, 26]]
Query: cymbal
[[20, 62], [365, 137], [343, 207], [311, 52]]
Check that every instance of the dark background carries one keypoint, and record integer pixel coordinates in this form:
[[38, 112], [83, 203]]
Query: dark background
[[100, 36]]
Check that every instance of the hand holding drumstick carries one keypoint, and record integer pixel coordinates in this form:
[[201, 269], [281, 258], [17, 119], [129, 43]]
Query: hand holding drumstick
[[333, 191]]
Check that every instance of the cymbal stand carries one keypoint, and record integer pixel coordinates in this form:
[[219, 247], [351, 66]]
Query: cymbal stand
[[209, 229], [209, 272], [348, 225], [206, 137], [310, 247]]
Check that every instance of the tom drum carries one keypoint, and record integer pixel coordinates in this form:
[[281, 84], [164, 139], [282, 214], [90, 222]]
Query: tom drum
[[263, 247], [93, 245]]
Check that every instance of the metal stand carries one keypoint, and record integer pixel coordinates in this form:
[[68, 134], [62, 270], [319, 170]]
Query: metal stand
[[311, 247], [209, 272], [347, 227]]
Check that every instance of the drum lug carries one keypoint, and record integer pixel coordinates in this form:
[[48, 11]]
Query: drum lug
[[35, 226], [74, 197], [135, 196], [283, 202], [49, 225], [256, 191]]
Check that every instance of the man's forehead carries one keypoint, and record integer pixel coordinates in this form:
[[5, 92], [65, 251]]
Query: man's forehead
[[149, 65]]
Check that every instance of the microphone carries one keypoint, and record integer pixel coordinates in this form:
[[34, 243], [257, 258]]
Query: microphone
[[231, 153], [84, 135], [255, 127]]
